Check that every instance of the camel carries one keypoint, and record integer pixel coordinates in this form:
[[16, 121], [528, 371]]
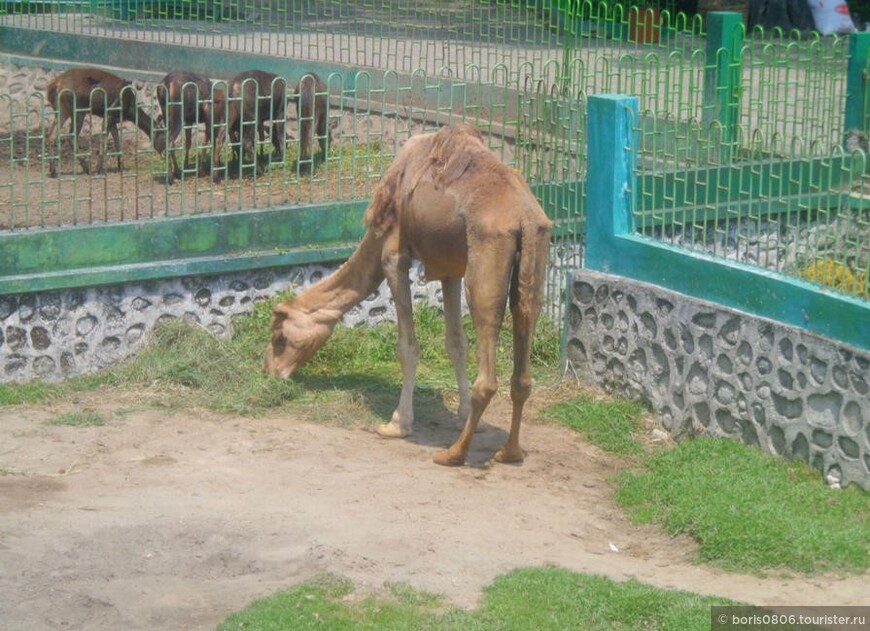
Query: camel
[[447, 201]]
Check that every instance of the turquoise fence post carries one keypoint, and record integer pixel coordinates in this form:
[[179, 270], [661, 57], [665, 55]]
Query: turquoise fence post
[[856, 84], [610, 178], [723, 83]]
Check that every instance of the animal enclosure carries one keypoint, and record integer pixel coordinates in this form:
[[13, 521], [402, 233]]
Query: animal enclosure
[[742, 150]]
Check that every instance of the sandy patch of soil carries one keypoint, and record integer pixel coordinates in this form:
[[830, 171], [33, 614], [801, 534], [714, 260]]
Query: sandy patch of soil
[[168, 519]]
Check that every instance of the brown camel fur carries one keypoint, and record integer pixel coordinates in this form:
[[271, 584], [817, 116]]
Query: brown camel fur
[[448, 202]]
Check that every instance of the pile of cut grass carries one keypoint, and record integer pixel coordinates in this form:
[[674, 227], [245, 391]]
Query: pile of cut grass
[[195, 368]]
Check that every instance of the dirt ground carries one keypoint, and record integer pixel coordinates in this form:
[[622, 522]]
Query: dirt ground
[[169, 519]]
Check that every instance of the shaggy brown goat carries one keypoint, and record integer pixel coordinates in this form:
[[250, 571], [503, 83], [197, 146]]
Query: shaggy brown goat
[[186, 100], [312, 108], [254, 97], [77, 92]]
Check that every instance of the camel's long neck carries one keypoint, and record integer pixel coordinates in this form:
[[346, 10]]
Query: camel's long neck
[[349, 285]]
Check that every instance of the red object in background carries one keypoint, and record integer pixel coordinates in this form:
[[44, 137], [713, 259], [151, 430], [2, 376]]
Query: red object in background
[[644, 25]]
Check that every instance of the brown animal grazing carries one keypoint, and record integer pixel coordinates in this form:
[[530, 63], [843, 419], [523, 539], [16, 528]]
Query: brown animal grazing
[[312, 108], [74, 93], [448, 202], [186, 101], [254, 98]]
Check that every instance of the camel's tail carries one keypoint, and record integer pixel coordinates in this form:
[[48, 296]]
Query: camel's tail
[[527, 294]]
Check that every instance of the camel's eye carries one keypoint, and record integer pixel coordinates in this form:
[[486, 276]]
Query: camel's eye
[[279, 343]]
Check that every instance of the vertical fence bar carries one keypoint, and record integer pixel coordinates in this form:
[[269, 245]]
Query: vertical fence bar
[[610, 178], [723, 76], [856, 83]]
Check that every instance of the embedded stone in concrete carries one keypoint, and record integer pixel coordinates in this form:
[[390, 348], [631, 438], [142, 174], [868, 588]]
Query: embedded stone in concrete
[[705, 345], [701, 412], [791, 392], [730, 331], [823, 409], [818, 370], [202, 297], [852, 419], [841, 376], [85, 325], [822, 438], [849, 447], [725, 393], [704, 320], [134, 333], [576, 352], [744, 353], [39, 338], [766, 336], [670, 339], [44, 365], [859, 384], [777, 440], [800, 448], [687, 339], [583, 293], [649, 324], [786, 349], [726, 421], [786, 407], [26, 309], [16, 338]]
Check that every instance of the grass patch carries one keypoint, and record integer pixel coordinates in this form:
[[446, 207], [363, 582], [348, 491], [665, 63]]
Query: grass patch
[[523, 600], [609, 424], [750, 511], [36, 391], [357, 366], [371, 350], [76, 418]]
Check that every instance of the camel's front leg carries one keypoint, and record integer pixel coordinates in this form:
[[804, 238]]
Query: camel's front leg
[[486, 283], [396, 270], [457, 344]]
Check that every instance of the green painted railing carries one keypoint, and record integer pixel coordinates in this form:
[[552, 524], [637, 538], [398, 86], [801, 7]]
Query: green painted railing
[[735, 134], [613, 246], [90, 255]]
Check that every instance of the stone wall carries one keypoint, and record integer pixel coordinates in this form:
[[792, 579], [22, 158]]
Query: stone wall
[[57, 334], [708, 370]]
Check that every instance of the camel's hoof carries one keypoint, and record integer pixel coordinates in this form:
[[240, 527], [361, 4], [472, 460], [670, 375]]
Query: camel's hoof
[[446, 459], [393, 430], [505, 456]]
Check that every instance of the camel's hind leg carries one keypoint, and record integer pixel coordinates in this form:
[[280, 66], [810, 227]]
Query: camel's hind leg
[[525, 308], [457, 344], [486, 282], [407, 348]]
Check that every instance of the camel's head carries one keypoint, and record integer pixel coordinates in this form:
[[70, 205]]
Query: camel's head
[[296, 336]]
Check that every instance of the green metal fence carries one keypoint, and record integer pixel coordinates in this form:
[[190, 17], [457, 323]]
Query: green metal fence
[[743, 146]]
